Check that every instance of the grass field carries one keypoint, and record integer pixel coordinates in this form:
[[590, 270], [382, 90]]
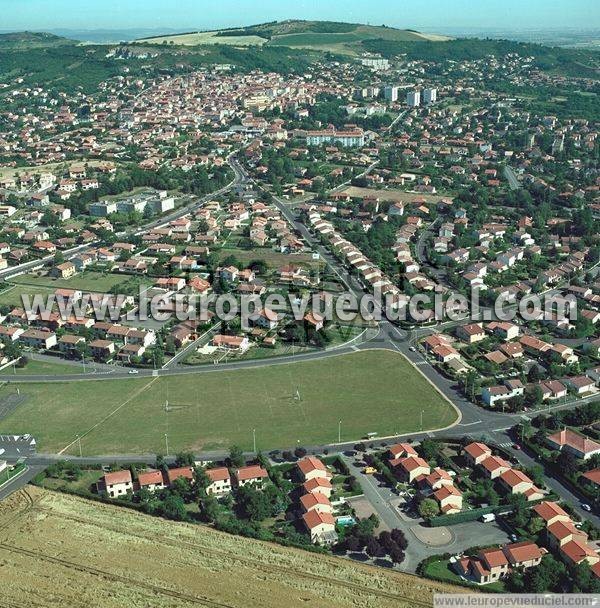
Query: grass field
[[61, 550], [86, 281], [370, 391], [35, 367], [11, 296]]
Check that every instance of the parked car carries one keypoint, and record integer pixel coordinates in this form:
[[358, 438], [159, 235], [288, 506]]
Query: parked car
[[586, 507]]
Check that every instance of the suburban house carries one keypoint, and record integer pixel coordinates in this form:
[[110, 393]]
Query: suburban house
[[475, 453], [473, 332], [220, 481], [36, 338], [489, 566], [318, 484], [494, 466], [551, 512], [115, 484], [409, 468], [401, 449], [570, 441], [321, 527], [251, 474], [151, 481], [64, 271], [525, 554], [312, 468], [315, 501], [232, 343], [449, 499], [180, 472], [516, 482]]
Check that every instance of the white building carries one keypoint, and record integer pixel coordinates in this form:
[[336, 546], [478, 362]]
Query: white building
[[413, 98], [390, 93], [429, 96]]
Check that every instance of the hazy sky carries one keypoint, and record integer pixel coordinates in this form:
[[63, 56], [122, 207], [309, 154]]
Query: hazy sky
[[205, 14]]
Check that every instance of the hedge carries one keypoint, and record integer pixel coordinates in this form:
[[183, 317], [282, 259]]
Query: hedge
[[463, 516]]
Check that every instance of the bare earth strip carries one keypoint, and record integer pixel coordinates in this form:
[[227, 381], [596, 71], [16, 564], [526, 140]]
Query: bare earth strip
[[59, 550]]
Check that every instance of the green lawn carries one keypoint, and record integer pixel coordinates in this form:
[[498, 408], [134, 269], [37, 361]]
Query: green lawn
[[86, 281], [11, 296], [35, 367], [441, 571], [371, 391]]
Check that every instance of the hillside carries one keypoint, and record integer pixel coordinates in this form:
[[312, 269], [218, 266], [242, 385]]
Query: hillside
[[31, 40], [59, 550], [345, 38]]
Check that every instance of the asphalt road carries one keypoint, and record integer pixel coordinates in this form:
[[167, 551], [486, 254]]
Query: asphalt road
[[511, 176]]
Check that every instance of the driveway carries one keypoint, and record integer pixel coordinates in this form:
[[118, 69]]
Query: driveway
[[422, 541]]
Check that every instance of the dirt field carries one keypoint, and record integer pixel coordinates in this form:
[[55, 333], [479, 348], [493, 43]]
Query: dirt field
[[59, 550], [393, 194]]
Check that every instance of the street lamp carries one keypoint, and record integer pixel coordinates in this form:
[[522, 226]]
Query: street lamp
[[79, 444], [254, 439], [167, 443], [340, 431]]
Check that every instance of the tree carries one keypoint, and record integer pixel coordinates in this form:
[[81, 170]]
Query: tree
[[253, 504], [396, 554], [399, 538], [351, 543], [374, 549], [209, 509], [546, 577], [236, 457], [184, 459], [430, 449], [173, 507], [428, 508]]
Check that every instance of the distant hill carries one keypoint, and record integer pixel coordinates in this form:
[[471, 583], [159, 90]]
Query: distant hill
[[31, 40], [333, 36]]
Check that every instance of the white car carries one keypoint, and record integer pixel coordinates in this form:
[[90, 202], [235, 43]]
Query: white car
[[586, 507], [133, 371], [412, 349]]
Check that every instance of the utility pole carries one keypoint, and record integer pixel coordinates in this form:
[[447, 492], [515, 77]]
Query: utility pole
[[254, 439], [79, 444], [340, 431], [421, 420], [167, 443]]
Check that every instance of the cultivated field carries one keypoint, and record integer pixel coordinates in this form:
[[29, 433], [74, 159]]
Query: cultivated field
[[197, 38], [370, 391], [59, 550]]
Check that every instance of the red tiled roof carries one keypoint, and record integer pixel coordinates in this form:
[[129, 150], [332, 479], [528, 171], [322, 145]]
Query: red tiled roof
[[314, 498], [313, 518], [476, 449], [310, 464], [522, 552], [117, 477], [574, 440], [493, 557], [150, 478], [315, 483], [548, 510], [173, 474], [218, 474], [577, 551], [250, 472], [593, 476]]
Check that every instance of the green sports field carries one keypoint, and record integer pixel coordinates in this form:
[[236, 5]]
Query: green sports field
[[369, 391]]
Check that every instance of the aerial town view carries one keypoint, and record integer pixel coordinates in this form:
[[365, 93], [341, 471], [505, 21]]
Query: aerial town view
[[299, 303]]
